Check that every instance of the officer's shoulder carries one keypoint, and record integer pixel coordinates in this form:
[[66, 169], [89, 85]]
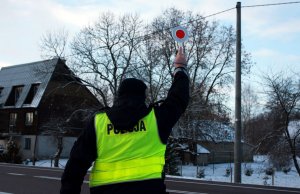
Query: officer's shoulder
[[101, 110]]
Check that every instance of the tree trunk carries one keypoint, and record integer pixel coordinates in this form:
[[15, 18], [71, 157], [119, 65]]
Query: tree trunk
[[296, 163], [59, 150], [292, 146], [34, 150]]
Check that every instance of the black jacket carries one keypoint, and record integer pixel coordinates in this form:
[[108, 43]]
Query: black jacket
[[124, 115]]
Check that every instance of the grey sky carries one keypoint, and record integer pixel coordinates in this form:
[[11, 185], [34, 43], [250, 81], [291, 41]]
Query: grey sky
[[270, 33]]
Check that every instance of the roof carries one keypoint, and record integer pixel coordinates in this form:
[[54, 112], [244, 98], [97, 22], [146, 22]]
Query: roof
[[26, 75], [202, 150]]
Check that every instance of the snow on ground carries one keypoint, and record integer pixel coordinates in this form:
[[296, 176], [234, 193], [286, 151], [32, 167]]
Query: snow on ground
[[217, 172], [48, 163]]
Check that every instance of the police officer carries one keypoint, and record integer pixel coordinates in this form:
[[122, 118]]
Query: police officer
[[126, 144]]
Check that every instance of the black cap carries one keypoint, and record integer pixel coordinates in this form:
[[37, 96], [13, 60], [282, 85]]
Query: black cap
[[132, 87]]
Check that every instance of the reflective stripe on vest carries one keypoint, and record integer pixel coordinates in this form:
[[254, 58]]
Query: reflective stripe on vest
[[132, 155]]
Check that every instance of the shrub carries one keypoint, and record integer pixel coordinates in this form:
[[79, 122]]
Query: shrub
[[12, 155], [227, 171], [201, 173], [172, 158], [286, 169], [278, 156], [270, 171], [248, 171], [266, 178]]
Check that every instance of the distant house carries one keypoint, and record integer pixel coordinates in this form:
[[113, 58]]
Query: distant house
[[36, 103], [213, 143]]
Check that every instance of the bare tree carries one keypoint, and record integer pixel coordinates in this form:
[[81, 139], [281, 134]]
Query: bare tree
[[249, 103], [55, 127], [54, 44], [113, 48], [152, 67], [210, 52], [60, 125], [284, 99], [104, 53]]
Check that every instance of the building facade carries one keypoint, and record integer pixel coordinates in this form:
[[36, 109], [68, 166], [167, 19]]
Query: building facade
[[41, 104]]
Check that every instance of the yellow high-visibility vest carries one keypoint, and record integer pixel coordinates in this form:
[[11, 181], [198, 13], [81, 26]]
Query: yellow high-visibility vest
[[122, 156]]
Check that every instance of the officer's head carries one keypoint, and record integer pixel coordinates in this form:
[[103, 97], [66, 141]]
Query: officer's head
[[132, 87]]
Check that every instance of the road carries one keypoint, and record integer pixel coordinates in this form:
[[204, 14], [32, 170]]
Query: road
[[18, 179]]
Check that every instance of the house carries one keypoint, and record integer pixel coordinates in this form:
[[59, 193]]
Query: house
[[39, 102], [202, 155], [191, 152], [213, 143]]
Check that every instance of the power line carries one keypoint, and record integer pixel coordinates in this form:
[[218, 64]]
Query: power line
[[183, 24], [272, 4], [219, 12], [148, 36]]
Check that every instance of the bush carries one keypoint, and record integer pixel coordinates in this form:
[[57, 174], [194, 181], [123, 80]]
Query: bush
[[270, 171], [248, 171], [278, 156], [172, 158], [266, 178], [201, 173], [227, 171], [12, 155], [286, 169]]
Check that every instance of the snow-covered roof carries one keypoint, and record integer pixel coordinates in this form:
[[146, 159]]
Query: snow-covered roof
[[26, 75], [202, 150], [183, 146]]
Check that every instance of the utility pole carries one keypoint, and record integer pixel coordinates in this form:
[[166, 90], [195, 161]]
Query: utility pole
[[238, 124]]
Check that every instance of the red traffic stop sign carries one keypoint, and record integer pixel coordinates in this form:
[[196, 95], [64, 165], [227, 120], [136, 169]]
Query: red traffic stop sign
[[179, 34]]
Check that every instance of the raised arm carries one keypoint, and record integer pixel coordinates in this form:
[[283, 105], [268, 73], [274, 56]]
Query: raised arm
[[177, 100]]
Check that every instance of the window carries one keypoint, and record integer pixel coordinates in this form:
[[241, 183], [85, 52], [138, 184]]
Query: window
[[18, 91], [29, 118], [27, 144], [33, 90], [14, 96], [12, 119]]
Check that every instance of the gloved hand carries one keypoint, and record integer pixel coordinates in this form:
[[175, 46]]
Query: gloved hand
[[180, 60]]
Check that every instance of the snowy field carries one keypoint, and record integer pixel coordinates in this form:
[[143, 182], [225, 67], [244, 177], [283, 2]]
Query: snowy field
[[217, 173]]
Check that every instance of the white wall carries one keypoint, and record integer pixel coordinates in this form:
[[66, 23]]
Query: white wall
[[45, 146], [26, 153]]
